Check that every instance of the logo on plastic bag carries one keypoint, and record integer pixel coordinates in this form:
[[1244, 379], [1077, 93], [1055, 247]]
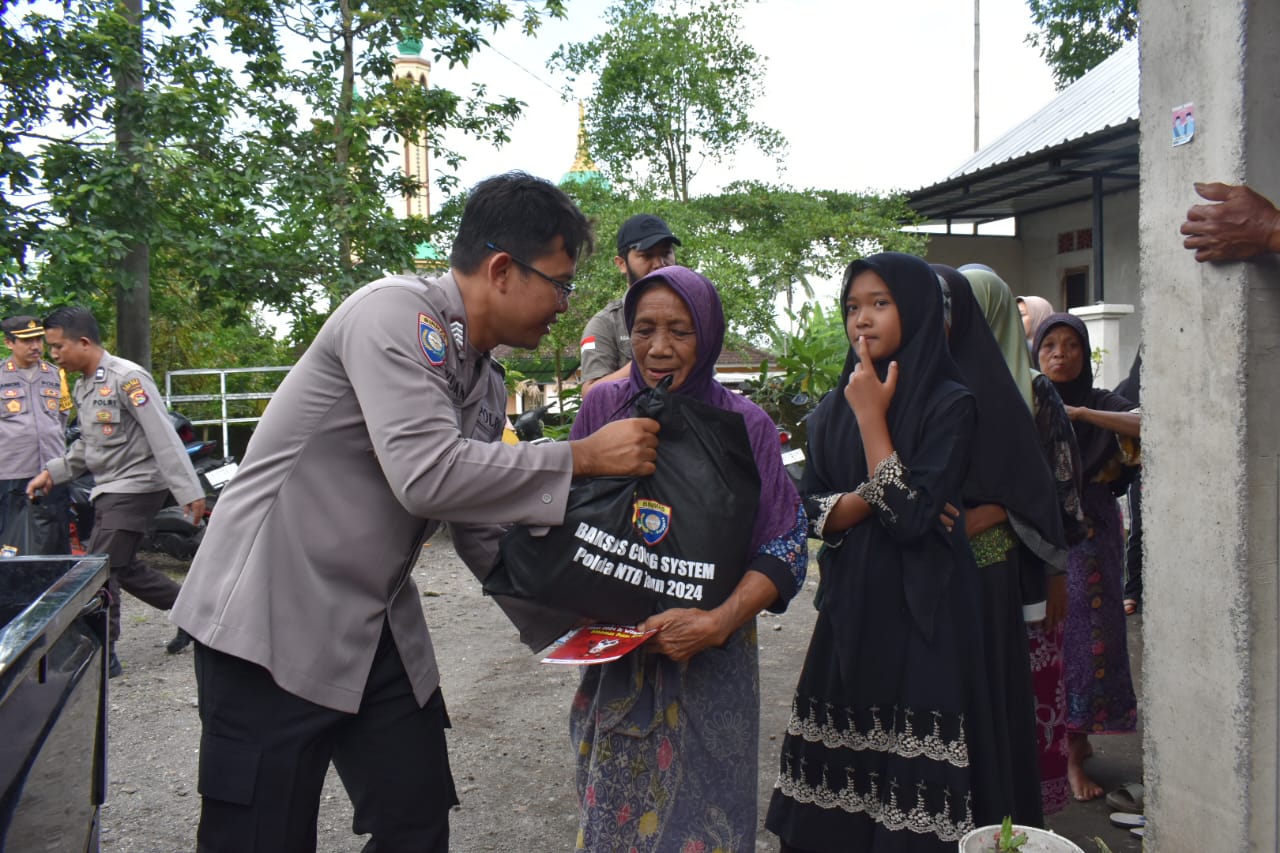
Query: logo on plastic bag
[[652, 519]]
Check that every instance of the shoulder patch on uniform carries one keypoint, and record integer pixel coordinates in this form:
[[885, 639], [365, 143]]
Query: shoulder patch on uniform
[[128, 386], [459, 332], [138, 397], [431, 338], [588, 343]]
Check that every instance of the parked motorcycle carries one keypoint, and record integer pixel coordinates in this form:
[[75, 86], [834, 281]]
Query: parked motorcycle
[[169, 532]]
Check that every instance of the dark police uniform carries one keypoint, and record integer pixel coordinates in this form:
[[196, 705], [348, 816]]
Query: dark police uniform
[[130, 446]]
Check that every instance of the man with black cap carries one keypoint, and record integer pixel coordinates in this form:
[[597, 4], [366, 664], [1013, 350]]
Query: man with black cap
[[32, 423], [645, 244]]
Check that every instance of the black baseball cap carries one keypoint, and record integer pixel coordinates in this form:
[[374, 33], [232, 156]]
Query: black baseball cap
[[643, 231]]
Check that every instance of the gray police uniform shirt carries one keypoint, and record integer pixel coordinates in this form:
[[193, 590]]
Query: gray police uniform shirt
[[388, 425], [126, 438], [32, 426], [606, 344]]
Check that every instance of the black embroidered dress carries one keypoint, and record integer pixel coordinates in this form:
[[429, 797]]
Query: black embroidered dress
[[889, 742]]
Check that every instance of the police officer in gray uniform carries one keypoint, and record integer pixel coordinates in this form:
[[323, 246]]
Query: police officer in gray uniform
[[311, 644], [32, 423], [129, 445]]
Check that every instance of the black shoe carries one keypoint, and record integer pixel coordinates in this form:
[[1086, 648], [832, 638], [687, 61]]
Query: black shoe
[[179, 642], [114, 668]]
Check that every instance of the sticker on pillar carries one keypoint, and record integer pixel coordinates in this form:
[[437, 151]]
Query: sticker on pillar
[[1184, 124]]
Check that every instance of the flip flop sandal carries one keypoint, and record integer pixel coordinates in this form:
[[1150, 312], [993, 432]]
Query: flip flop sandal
[[1126, 798], [1138, 831], [1127, 820]]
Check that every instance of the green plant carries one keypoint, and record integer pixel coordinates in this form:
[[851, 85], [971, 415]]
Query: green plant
[[1010, 840], [1096, 357], [1102, 845]]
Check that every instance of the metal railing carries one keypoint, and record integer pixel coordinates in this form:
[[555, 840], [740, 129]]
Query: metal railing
[[222, 397]]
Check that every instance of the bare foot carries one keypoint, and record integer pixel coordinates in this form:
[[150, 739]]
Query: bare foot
[[1082, 787]]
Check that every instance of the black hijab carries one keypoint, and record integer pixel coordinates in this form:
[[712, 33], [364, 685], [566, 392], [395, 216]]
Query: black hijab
[[927, 380], [1008, 466], [1098, 446]]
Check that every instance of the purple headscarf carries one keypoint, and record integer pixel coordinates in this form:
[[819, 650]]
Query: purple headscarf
[[610, 401]]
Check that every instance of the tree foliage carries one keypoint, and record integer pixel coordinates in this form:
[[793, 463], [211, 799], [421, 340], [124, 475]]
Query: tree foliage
[[1075, 35], [266, 136], [674, 86], [756, 242]]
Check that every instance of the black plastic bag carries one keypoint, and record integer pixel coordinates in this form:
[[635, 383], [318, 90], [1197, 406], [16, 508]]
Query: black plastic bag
[[630, 547], [29, 528]]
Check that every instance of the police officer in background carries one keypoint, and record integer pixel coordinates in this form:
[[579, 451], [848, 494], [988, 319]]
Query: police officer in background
[[32, 424], [311, 644], [645, 244], [129, 445]]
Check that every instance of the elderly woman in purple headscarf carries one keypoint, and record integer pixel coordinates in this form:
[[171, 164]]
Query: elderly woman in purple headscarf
[[666, 737]]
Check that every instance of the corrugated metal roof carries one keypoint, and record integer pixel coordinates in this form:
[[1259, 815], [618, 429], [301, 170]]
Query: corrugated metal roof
[[1104, 97], [1082, 146]]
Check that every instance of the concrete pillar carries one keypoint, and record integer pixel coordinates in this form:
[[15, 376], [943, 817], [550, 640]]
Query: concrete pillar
[[1103, 322], [1211, 436]]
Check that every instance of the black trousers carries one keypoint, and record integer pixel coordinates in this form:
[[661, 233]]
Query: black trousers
[[264, 754], [120, 522]]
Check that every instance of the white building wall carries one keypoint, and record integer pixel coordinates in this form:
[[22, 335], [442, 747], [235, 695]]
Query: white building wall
[[1044, 270]]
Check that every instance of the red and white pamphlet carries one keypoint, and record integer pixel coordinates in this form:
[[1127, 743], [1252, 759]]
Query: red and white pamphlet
[[597, 644]]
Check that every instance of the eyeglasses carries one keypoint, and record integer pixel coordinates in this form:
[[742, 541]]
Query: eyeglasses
[[565, 288]]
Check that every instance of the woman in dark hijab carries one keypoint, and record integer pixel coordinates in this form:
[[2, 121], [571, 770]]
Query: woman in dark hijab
[[1015, 528], [1058, 446], [1100, 698], [890, 743], [666, 738]]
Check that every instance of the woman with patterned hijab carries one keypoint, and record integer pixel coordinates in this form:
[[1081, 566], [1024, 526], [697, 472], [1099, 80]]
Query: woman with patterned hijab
[[890, 745]]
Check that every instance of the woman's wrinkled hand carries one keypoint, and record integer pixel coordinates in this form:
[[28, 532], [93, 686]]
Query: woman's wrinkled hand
[[685, 631]]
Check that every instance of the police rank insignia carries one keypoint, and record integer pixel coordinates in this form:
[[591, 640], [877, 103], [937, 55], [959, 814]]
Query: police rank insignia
[[100, 374], [652, 519], [431, 338]]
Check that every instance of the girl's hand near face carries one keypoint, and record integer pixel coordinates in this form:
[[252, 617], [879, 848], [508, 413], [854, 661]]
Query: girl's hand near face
[[865, 393]]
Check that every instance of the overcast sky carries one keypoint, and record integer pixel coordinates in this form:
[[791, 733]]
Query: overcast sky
[[869, 94]]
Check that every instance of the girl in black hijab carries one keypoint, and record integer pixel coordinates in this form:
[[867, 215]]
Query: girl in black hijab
[[890, 742], [1014, 526], [1100, 698]]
